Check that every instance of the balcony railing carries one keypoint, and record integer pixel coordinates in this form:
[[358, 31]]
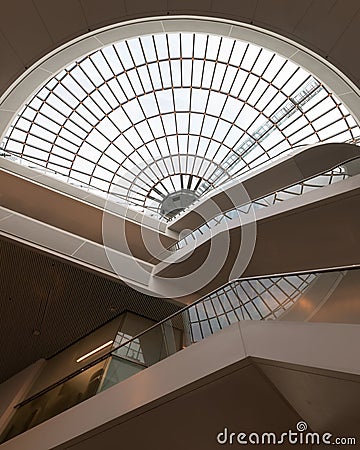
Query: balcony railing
[[328, 177], [264, 298]]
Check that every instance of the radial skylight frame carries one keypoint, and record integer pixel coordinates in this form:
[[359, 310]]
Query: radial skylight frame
[[180, 168]]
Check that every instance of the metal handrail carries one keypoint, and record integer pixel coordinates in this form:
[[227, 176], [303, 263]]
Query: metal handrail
[[176, 313]]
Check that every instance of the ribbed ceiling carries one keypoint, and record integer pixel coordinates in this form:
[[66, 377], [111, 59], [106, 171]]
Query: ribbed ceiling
[[62, 301]]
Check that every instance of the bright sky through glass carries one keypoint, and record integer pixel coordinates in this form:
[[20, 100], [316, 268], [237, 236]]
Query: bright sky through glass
[[152, 115]]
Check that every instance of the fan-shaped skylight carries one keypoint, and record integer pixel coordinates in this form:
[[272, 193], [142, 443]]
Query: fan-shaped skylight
[[172, 116]]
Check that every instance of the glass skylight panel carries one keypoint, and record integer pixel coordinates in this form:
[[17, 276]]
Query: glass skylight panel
[[172, 111]]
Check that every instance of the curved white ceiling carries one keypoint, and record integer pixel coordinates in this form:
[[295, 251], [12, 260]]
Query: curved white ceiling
[[157, 114]]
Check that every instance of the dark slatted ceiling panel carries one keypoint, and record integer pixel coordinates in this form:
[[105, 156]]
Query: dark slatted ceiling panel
[[63, 301]]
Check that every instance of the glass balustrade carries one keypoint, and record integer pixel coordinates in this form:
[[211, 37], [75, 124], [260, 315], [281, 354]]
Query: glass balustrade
[[297, 296], [339, 173]]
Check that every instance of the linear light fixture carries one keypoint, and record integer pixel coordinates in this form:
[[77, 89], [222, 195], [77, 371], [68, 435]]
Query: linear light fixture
[[94, 351]]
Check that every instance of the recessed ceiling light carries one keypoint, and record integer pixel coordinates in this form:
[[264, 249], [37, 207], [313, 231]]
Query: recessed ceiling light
[[94, 351]]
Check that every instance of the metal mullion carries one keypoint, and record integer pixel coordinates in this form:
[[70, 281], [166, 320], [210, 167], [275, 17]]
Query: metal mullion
[[146, 118], [170, 178], [147, 190], [234, 310], [121, 73], [115, 78], [331, 123], [295, 119], [135, 151], [207, 159], [67, 118], [273, 296], [190, 102], [260, 156], [206, 105], [297, 106], [277, 73], [217, 123], [345, 118], [275, 87], [81, 115], [244, 131], [32, 122], [232, 124], [263, 300], [221, 143], [135, 68], [292, 76], [249, 72], [153, 187], [264, 94], [64, 126], [299, 129], [198, 321], [332, 135], [210, 318], [240, 68], [298, 142], [193, 112], [86, 75], [204, 61], [228, 299], [133, 183], [268, 118], [181, 64], [97, 88], [47, 141], [26, 158], [310, 109], [245, 309], [296, 289], [156, 99], [36, 110], [123, 197], [44, 102], [265, 69], [227, 65], [77, 82], [255, 306], [173, 97], [37, 159], [55, 94], [278, 91], [207, 318], [87, 132], [158, 61], [299, 86], [134, 125], [201, 84], [68, 90], [226, 135]]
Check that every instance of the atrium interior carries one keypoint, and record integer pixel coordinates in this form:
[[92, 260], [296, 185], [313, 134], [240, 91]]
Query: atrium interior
[[179, 225]]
